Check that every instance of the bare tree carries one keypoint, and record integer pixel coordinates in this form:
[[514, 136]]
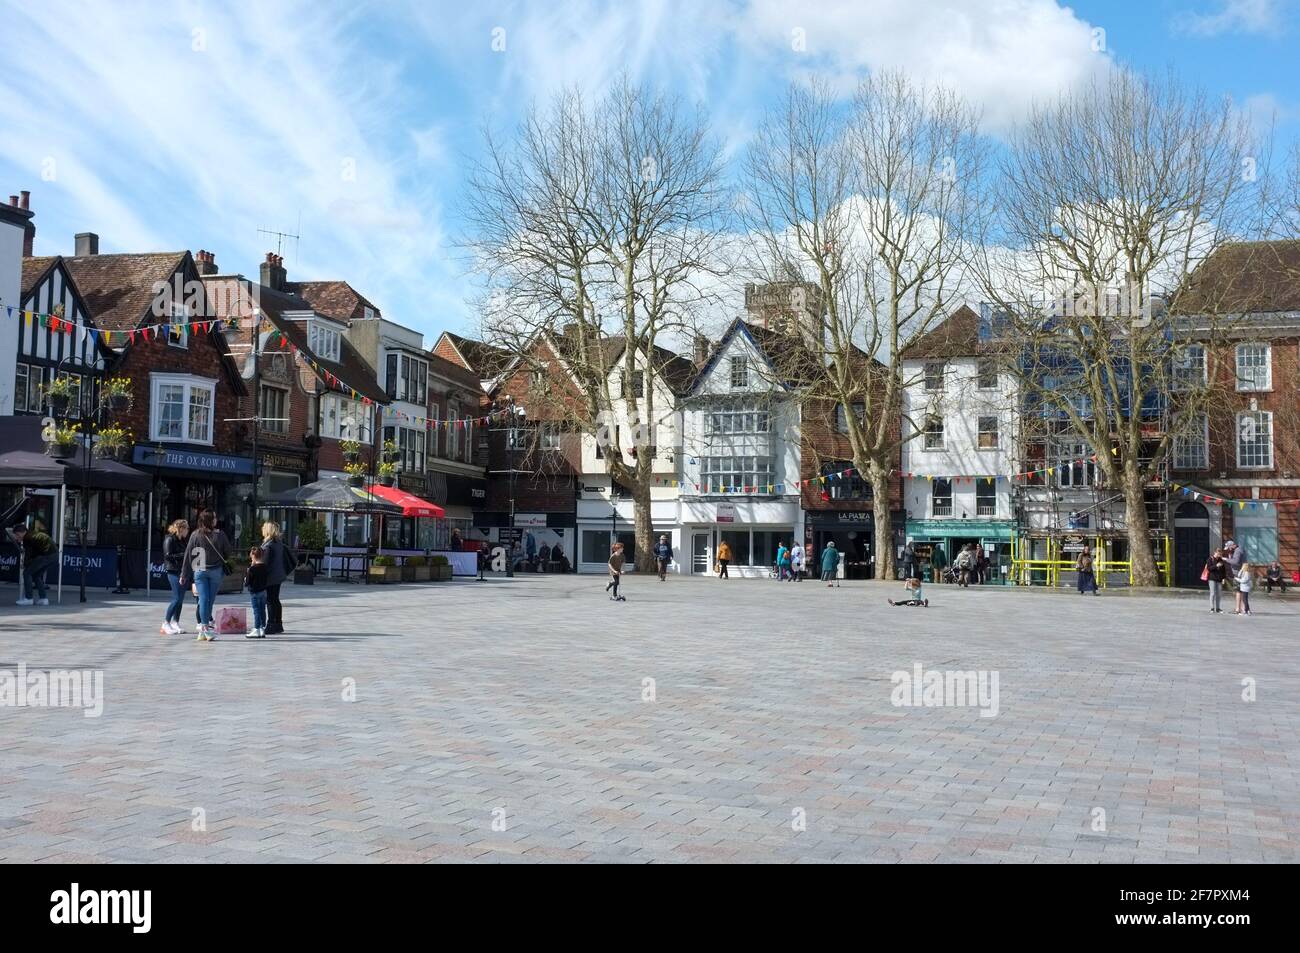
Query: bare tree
[[1107, 199], [596, 229], [874, 202]]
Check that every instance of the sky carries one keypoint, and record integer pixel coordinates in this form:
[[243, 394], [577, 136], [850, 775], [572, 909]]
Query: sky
[[170, 125]]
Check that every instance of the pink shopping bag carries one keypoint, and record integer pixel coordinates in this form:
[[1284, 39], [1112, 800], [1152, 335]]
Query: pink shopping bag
[[231, 620]]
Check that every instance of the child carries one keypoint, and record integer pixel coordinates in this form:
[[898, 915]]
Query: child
[[256, 582], [615, 572], [1245, 579], [917, 597]]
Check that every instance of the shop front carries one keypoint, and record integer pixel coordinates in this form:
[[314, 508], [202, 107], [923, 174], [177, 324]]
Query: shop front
[[461, 497], [929, 538], [281, 470], [854, 535], [187, 481], [752, 528], [534, 534]]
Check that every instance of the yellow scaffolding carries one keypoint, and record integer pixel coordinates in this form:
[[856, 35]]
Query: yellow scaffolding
[[1056, 563]]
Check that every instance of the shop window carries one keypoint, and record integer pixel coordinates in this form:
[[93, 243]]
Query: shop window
[[765, 544], [119, 508], [739, 542], [595, 546]]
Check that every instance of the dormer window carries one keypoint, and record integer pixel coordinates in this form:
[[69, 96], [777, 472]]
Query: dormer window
[[324, 341], [178, 327], [739, 373]]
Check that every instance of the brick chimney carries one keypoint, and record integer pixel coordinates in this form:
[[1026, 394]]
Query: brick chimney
[[700, 350], [273, 273], [29, 230], [205, 262], [87, 244]]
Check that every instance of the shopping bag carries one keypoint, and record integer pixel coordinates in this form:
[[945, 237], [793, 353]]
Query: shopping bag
[[1205, 574], [231, 620]]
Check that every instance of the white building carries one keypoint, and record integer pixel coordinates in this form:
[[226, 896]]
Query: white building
[[16, 233], [740, 457], [957, 468]]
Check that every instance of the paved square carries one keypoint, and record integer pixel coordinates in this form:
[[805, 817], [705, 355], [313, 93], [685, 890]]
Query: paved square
[[768, 733]]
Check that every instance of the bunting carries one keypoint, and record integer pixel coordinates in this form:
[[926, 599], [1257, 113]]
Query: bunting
[[1197, 495]]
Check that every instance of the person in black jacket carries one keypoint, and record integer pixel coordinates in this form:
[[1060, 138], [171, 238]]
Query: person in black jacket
[[173, 554], [255, 581], [1216, 570], [279, 563], [664, 556]]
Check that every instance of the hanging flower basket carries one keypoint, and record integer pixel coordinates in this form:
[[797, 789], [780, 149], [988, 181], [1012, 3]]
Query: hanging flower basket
[[356, 480], [352, 456], [116, 393], [61, 450], [119, 402], [58, 404]]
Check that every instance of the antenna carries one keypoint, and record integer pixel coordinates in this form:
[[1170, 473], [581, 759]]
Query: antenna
[[279, 238]]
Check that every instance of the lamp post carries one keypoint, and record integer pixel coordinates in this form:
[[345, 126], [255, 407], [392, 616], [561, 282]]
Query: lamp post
[[89, 462]]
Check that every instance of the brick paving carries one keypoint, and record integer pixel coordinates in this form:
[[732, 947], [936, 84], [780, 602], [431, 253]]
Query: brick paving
[[523, 702]]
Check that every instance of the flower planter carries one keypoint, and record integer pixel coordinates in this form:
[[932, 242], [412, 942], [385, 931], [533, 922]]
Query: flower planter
[[356, 481], [440, 573], [351, 456], [61, 451], [304, 576], [58, 404], [385, 574], [386, 480], [118, 453], [119, 402], [416, 573]]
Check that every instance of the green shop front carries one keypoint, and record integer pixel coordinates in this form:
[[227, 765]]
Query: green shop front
[[930, 537]]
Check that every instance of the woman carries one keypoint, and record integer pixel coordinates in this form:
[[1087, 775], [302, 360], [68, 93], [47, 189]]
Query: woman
[[204, 565], [1245, 582], [1216, 568], [277, 563], [1087, 578], [173, 555], [796, 561], [784, 564], [724, 557]]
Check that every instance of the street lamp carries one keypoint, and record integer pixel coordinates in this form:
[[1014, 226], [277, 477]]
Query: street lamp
[[90, 458]]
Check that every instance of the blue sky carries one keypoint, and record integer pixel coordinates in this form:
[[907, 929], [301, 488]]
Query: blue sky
[[191, 125]]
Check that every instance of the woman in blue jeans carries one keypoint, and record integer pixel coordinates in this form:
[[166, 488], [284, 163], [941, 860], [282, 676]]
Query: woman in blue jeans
[[203, 566], [173, 556]]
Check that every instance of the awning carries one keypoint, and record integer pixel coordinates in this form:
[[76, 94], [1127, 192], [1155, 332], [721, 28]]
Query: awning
[[329, 495], [23, 462], [411, 505]]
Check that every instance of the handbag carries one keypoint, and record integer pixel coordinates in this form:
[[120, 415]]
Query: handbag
[[231, 620], [717, 567], [1205, 574]]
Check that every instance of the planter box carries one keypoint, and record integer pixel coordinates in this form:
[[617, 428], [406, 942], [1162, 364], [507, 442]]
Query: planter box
[[233, 581], [385, 574], [61, 451], [416, 573], [304, 576], [440, 573]]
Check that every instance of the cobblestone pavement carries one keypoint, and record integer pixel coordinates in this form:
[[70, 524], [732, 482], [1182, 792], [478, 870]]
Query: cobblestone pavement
[[513, 720]]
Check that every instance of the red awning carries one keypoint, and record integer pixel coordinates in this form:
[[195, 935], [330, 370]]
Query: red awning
[[411, 505]]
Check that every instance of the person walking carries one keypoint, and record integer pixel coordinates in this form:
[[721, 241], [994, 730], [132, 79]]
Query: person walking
[[1245, 582], [204, 566], [280, 561], [173, 554], [39, 554], [664, 556], [784, 565], [796, 561], [1216, 570], [615, 572], [961, 566], [724, 557], [255, 580], [1087, 577], [908, 562], [830, 563]]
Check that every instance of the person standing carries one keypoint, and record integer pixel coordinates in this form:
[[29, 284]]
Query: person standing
[[256, 582], [783, 563], [724, 557], [961, 566], [909, 562], [1216, 569], [173, 554], [615, 572], [1087, 577], [939, 560], [279, 563], [796, 561], [664, 556], [1245, 582], [39, 554], [830, 563], [204, 566], [1235, 557]]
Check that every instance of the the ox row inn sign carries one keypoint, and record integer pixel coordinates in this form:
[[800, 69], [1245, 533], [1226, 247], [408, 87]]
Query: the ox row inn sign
[[180, 459]]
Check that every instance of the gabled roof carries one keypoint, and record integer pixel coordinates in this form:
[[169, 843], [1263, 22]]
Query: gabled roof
[[485, 360], [334, 299], [118, 290], [956, 336], [452, 371], [1244, 278], [768, 343], [351, 368], [34, 272]]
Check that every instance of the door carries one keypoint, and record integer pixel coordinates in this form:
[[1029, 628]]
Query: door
[[700, 561], [1191, 544]]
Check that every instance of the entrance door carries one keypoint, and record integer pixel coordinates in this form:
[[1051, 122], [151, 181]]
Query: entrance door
[[700, 553], [1191, 544]]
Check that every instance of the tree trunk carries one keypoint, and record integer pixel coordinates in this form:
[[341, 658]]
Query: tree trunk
[[644, 527], [1140, 553], [884, 543]]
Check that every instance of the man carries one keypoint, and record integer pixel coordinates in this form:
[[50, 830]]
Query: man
[[1235, 557], [39, 555], [664, 554]]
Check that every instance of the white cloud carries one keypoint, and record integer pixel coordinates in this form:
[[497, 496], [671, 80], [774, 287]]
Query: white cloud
[[1233, 16]]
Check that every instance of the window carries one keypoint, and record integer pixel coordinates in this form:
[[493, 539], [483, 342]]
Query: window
[[739, 372], [736, 418], [841, 420], [851, 487], [411, 442], [415, 380], [178, 328], [1192, 449], [1255, 440], [738, 540], [1189, 368], [933, 433], [273, 409], [636, 388], [343, 418], [453, 431], [324, 341], [1074, 465], [181, 408], [736, 474], [986, 374], [391, 364], [988, 433], [934, 375], [1254, 367], [986, 496], [21, 388], [940, 497], [549, 436], [29, 380], [521, 438], [121, 508]]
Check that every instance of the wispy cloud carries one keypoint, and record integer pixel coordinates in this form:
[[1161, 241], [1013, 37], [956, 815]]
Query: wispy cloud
[[1232, 16]]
